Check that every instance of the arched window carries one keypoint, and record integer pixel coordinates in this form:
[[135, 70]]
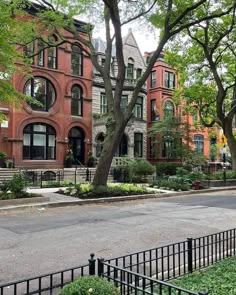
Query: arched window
[[99, 140], [52, 53], [43, 91], [41, 52], [39, 142], [199, 143], [76, 101], [76, 60], [130, 69], [169, 110]]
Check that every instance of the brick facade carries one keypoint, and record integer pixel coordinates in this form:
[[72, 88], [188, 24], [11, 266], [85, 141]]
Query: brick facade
[[160, 92], [23, 148]]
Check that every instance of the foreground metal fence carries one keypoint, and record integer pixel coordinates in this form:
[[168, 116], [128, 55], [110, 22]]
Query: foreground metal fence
[[175, 260], [49, 283], [144, 272], [130, 282]]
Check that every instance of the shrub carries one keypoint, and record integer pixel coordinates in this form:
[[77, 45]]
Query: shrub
[[17, 184], [173, 183], [142, 168], [167, 168], [133, 170], [197, 175], [219, 175], [90, 285]]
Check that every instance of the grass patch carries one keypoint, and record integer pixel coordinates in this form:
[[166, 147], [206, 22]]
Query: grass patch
[[218, 279], [88, 191]]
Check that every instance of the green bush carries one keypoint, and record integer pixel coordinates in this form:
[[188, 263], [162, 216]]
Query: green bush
[[17, 184], [133, 170], [219, 175], [90, 285], [167, 168], [142, 168], [173, 183], [197, 175]]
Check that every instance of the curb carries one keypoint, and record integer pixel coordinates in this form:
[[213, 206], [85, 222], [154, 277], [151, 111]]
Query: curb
[[23, 201], [111, 200]]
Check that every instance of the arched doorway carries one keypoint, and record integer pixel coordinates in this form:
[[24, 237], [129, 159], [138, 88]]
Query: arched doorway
[[76, 144]]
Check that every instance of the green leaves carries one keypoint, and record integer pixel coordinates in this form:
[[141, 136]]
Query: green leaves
[[218, 279]]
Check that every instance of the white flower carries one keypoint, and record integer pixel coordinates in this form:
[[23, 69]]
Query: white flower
[[90, 290]]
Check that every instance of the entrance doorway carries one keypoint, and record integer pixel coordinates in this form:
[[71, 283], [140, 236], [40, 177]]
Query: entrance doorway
[[123, 146], [76, 144]]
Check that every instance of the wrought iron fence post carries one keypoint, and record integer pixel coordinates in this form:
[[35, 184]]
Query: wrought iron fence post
[[203, 293], [59, 174], [190, 254], [92, 265], [100, 266], [87, 174], [41, 179], [75, 177]]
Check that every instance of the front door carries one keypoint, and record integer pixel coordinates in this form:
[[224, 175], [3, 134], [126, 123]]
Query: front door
[[76, 143]]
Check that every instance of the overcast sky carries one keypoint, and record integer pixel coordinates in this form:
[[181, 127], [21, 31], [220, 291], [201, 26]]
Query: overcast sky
[[147, 41]]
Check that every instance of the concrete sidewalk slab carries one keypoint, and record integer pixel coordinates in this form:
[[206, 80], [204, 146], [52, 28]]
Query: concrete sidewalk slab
[[58, 200]]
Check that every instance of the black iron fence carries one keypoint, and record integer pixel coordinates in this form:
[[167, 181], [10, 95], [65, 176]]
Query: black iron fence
[[49, 283], [144, 272], [58, 178], [175, 260], [130, 282]]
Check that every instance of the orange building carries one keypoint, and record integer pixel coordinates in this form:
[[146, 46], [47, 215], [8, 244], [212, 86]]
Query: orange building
[[161, 83], [39, 136]]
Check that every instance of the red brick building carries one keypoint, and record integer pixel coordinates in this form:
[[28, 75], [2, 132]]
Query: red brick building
[[38, 136], [161, 84]]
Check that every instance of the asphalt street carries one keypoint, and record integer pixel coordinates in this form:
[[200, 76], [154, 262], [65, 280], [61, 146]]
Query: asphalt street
[[37, 241]]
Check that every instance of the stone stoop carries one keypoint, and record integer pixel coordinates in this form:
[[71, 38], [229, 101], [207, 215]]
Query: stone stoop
[[7, 174]]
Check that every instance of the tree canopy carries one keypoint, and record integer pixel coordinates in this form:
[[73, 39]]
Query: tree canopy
[[13, 34], [207, 67]]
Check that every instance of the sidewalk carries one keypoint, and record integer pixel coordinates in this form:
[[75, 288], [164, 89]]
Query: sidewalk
[[58, 200]]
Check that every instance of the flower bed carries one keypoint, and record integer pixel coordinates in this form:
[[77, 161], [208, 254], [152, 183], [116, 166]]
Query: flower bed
[[87, 191]]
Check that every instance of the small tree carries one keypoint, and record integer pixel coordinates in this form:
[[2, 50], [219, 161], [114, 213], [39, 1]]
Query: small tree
[[177, 132]]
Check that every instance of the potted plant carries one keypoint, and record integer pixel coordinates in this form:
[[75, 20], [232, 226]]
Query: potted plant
[[69, 158], [91, 160], [2, 159]]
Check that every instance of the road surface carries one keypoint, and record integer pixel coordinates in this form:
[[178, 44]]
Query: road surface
[[35, 242]]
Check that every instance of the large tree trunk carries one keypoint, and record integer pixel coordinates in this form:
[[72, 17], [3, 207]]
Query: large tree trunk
[[110, 146]]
